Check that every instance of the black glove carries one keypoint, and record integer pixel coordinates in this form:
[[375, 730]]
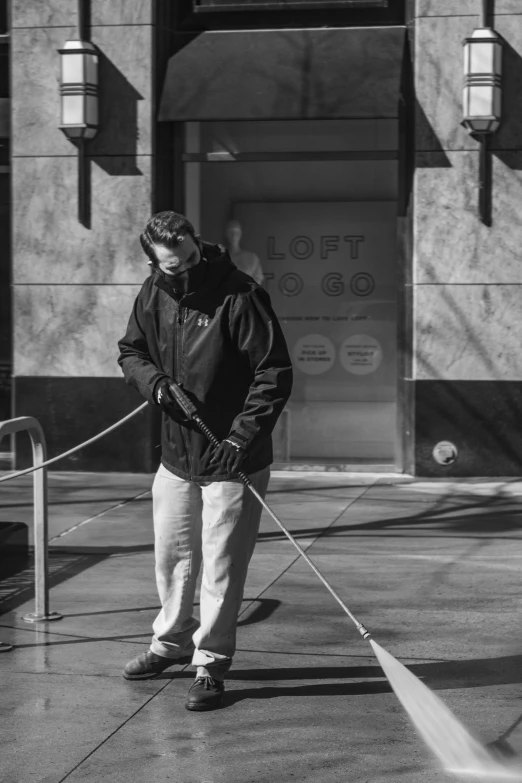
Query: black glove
[[166, 401], [230, 454]]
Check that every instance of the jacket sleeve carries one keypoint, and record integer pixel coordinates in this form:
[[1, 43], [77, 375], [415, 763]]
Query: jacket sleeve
[[134, 359], [259, 337]]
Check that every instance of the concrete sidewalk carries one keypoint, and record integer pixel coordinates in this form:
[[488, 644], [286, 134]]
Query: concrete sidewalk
[[432, 568]]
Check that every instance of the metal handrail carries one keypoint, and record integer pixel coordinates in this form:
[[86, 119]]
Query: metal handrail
[[41, 567], [76, 448]]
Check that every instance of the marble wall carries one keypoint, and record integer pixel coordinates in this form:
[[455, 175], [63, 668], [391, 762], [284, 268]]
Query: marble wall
[[60, 13], [467, 277], [463, 7], [70, 330], [73, 286], [465, 384]]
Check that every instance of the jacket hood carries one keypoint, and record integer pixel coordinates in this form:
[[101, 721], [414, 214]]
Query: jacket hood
[[220, 265]]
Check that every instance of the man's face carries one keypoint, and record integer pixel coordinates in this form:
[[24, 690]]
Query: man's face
[[175, 261]]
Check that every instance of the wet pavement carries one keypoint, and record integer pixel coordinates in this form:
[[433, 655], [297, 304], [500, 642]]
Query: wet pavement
[[432, 568]]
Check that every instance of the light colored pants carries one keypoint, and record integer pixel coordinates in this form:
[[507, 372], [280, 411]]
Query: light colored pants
[[211, 522]]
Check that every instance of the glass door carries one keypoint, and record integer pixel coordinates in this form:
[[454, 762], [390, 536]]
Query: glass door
[[315, 203]]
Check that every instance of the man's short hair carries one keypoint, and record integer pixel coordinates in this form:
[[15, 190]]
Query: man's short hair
[[165, 228]]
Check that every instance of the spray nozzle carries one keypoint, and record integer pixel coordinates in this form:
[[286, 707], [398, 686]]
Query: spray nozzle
[[364, 632]]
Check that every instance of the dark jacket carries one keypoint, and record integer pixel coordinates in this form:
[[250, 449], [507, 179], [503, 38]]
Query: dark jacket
[[223, 344]]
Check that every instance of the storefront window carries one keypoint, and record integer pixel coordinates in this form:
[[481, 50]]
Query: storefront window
[[315, 202]]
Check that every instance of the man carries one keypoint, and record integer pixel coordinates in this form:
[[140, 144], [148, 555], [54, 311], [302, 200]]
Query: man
[[201, 322]]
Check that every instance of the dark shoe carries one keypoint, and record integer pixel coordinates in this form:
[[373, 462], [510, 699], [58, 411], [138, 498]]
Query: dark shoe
[[205, 694], [148, 665]]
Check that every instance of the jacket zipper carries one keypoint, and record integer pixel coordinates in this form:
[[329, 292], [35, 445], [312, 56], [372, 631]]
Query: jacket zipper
[[182, 314]]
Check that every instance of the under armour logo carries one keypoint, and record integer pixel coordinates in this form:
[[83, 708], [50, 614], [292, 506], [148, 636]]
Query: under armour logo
[[203, 320]]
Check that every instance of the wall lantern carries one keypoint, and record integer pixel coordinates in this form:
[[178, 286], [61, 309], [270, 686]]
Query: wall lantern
[[79, 102], [482, 81], [482, 99], [79, 90]]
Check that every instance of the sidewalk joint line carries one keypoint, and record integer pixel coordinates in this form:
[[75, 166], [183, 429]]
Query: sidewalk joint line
[[118, 728], [97, 516], [129, 638]]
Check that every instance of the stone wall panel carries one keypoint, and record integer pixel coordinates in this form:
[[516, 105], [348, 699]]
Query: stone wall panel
[[468, 332], [70, 330], [463, 7], [57, 13], [50, 245], [50, 13], [35, 97], [451, 243]]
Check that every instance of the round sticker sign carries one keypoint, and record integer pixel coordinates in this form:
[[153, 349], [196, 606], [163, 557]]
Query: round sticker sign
[[314, 354], [361, 354]]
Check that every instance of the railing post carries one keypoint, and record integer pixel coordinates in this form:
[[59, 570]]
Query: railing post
[[41, 565], [41, 558]]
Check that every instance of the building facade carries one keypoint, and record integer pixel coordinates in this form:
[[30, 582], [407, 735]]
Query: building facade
[[331, 133]]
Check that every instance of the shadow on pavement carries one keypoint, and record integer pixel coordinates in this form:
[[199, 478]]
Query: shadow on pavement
[[490, 520], [448, 675], [17, 590], [501, 747], [439, 675]]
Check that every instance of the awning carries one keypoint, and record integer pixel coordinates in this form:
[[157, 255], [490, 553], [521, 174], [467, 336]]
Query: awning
[[285, 74]]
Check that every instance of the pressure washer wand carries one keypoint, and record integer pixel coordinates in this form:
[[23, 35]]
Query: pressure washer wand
[[190, 410]]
